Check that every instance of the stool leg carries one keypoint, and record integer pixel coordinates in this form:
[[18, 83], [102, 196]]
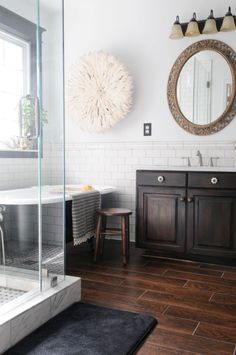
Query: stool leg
[[124, 241], [98, 236], [91, 244], [102, 239], [128, 236]]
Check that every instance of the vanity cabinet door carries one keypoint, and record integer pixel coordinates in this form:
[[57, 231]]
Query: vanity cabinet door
[[211, 222], [160, 219]]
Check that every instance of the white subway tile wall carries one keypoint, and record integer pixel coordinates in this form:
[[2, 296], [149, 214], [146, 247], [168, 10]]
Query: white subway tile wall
[[115, 164], [23, 172]]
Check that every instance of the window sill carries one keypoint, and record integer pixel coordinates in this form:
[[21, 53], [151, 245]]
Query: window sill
[[18, 154]]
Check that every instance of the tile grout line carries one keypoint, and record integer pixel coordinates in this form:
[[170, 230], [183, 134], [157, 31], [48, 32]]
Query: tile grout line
[[142, 294], [185, 284], [164, 272], [121, 282], [165, 310], [196, 328], [213, 294]]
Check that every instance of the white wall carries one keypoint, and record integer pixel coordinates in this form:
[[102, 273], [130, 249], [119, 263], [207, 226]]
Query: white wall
[[137, 31]]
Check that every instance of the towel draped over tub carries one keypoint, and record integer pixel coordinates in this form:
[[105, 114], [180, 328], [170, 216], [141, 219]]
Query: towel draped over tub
[[84, 215]]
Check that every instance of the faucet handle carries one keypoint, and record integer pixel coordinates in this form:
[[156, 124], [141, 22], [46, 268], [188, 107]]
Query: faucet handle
[[211, 160], [188, 160]]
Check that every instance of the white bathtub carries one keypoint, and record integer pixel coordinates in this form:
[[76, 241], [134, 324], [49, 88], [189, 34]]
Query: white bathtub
[[50, 194]]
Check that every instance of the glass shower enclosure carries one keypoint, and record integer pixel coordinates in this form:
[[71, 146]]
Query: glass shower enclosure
[[32, 176]]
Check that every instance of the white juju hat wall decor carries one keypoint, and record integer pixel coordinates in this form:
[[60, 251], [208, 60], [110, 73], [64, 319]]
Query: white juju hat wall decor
[[99, 91]]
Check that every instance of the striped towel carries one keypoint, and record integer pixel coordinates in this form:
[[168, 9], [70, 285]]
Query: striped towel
[[84, 215]]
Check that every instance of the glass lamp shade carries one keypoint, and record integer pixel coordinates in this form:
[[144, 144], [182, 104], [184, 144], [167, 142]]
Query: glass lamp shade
[[193, 28], [210, 25], [228, 22], [176, 31]]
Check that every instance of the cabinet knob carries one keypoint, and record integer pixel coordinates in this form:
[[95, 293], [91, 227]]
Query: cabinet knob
[[182, 198], [214, 180], [160, 178], [190, 199]]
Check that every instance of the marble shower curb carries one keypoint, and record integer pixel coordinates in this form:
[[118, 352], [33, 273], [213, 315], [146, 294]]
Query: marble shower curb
[[17, 324]]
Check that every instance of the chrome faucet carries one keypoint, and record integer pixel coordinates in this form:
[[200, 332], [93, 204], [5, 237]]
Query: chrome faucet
[[199, 155]]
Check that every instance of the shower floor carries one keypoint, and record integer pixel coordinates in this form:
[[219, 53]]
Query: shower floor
[[25, 255], [9, 294]]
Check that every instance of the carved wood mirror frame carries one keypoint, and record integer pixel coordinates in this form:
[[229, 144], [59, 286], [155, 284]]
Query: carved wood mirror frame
[[230, 112]]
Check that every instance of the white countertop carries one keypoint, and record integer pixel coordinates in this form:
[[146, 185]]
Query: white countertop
[[190, 168], [50, 194]]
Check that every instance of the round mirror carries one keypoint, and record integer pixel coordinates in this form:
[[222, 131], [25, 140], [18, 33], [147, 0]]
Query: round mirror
[[204, 87], [201, 87]]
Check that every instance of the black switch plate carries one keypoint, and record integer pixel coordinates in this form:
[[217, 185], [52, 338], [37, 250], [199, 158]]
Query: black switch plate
[[147, 129]]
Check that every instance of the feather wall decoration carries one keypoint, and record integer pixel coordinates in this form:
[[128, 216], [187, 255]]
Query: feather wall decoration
[[99, 92]]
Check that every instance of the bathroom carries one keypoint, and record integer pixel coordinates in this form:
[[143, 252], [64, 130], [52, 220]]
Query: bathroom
[[57, 157]]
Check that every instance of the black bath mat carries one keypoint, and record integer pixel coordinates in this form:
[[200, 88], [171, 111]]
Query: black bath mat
[[86, 329]]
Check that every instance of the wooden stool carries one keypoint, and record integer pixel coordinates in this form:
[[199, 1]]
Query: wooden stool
[[102, 231]]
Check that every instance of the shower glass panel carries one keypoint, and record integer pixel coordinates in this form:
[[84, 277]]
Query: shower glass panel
[[31, 148], [52, 170]]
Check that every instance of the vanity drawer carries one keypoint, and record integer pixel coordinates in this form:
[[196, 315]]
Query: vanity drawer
[[213, 180], [161, 178]]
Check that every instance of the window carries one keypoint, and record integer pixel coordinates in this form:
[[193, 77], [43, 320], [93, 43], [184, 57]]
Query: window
[[18, 78], [14, 83]]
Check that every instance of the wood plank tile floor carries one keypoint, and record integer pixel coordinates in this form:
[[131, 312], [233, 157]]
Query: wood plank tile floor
[[195, 303]]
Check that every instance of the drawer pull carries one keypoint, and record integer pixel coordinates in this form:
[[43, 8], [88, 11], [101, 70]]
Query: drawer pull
[[160, 178], [214, 180]]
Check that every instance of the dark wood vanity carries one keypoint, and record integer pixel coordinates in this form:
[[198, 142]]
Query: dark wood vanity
[[187, 214]]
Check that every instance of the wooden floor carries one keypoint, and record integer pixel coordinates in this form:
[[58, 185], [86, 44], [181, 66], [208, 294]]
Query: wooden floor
[[195, 303]]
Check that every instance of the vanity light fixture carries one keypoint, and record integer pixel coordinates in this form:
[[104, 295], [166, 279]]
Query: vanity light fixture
[[193, 28], [176, 31], [228, 22], [210, 25]]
